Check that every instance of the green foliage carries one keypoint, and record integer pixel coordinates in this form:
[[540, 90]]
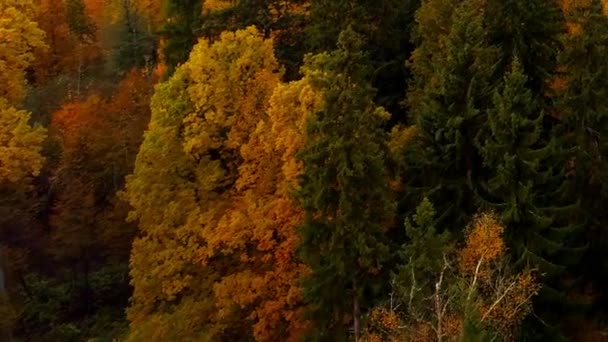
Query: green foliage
[[526, 184], [422, 256], [284, 20], [344, 189], [583, 105], [447, 101], [385, 27], [134, 45], [78, 21], [528, 30], [182, 21]]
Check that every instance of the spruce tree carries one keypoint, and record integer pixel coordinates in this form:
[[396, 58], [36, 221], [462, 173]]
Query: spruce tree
[[344, 192], [583, 105], [78, 21], [530, 30], [446, 100], [386, 26], [422, 257], [525, 181], [182, 20]]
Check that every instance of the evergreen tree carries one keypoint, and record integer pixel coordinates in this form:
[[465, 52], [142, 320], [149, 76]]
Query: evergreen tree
[[386, 26], [530, 30], [446, 100], [583, 104], [423, 256], [135, 44], [182, 20], [78, 20], [526, 182], [344, 191]]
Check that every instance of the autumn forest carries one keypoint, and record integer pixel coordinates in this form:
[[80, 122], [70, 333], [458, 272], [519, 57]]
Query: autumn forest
[[303, 170]]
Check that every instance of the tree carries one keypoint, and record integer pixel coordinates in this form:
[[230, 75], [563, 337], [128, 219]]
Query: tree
[[529, 31], [467, 294], [422, 256], [182, 20], [344, 191], [583, 107], [172, 295], [20, 143], [20, 36], [283, 20], [89, 240], [79, 22], [266, 218], [135, 44], [526, 182], [385, 26], [215, 251], [447, 99]]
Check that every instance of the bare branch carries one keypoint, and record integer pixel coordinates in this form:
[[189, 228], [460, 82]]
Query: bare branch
[[498, 300], [475, 278]]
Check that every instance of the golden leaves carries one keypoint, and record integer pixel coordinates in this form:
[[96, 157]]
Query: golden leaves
[[217, 5], [206, 191], [484, 243], [20, 145], [19, 36]]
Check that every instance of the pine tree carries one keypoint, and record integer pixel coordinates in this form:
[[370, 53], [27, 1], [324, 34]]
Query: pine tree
[[182, 20], [447, 101], [344, 191], [526, 181]]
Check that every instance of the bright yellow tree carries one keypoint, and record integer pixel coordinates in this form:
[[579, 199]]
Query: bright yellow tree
[[211, 192], [20, 143]]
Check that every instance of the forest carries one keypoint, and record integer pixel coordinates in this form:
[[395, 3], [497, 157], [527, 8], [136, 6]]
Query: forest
[[303, 170]]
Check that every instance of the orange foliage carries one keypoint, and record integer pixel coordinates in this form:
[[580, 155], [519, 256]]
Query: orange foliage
[[210, 189], [481, 282], [99, 140], [66, 53], [484, 244], [152, 9]]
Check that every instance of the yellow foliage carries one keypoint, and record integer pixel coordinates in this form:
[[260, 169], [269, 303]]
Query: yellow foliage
[[210, 189], [484, 243], [400, 137], [217, 5], [20, 145], [260, 227], [239, 66], [19, 36]]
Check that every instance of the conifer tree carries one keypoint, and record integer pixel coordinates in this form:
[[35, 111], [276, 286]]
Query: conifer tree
[[446, 100], [344, 191], [530, 30], [526, 181], [583, 105], [182, 20], [422, 256], [386, 26]]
